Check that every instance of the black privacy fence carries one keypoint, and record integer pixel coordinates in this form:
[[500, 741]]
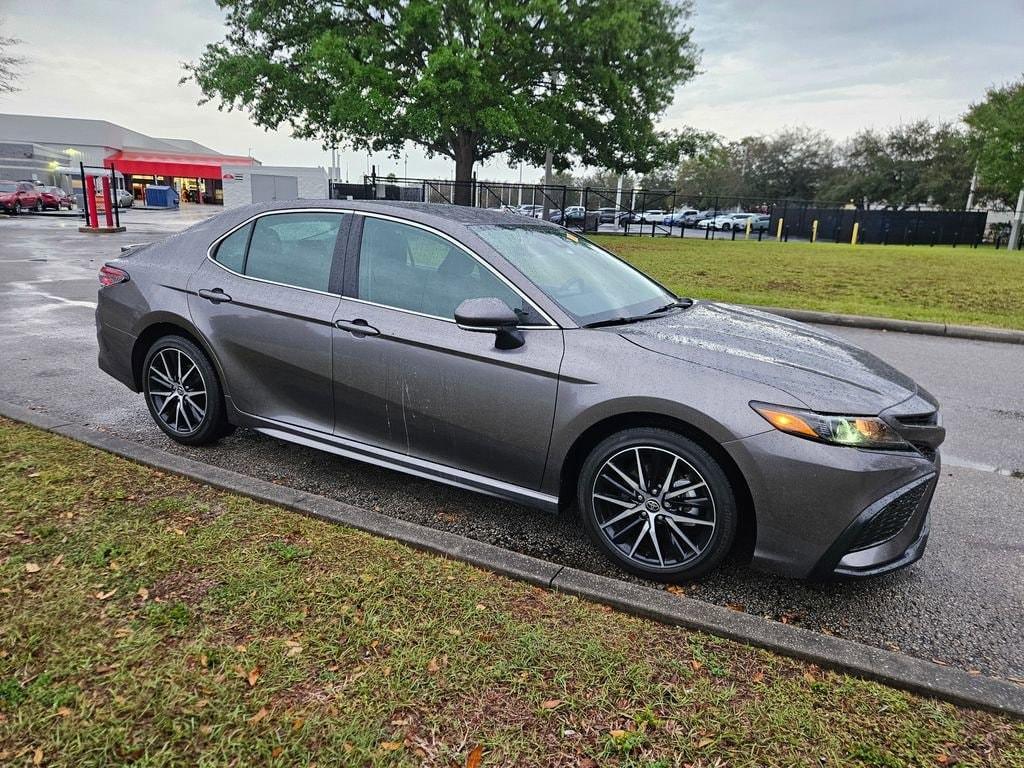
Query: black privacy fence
[[676, 213]]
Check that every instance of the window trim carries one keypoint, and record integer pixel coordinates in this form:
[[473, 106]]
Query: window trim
[[355, 255], [340, 248]]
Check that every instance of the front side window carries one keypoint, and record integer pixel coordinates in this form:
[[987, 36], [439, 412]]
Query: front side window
[[294, 249], [588, 282], [409, 268]]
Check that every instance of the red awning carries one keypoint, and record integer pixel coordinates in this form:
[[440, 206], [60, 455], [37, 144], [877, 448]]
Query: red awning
[[189, 166]]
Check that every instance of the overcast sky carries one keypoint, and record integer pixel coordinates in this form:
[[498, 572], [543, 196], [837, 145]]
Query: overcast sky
[[831, 64]]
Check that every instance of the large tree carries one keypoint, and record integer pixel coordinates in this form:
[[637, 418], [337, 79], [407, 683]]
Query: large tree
[[997, 134], [466, 79]]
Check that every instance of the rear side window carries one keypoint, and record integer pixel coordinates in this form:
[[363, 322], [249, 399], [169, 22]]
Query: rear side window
[[231, 251], [294, 249]]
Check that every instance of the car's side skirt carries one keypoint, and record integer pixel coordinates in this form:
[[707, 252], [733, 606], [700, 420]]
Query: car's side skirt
[[411, 465]]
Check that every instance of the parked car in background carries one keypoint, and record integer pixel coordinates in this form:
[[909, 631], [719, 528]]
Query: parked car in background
[[736, 221], [574, 214], [651, 216], [532, 365], [19, 196], [761, 222], [534, 211], [682, 217], [124, 199], [55, 198], [607, 215]]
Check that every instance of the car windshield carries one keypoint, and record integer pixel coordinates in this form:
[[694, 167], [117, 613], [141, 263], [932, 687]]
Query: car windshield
[[588, 282]]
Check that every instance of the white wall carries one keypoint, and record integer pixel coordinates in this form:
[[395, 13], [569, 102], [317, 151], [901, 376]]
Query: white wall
[[312, 182]]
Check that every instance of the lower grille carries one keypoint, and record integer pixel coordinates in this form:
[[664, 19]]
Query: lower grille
[[889, 520]]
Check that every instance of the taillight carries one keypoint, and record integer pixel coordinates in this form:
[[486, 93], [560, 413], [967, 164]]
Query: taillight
[[112, 276]]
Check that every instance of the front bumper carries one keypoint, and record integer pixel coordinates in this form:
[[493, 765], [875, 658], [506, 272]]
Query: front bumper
[[817, 506]]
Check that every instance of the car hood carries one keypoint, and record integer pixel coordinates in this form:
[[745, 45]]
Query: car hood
[[821, 370]]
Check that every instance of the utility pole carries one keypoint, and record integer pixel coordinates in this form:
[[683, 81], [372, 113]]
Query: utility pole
[[974, 186], [1014, 243]]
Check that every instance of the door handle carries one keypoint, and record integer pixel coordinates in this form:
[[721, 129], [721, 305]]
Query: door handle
[[216, 295], [357, 327]]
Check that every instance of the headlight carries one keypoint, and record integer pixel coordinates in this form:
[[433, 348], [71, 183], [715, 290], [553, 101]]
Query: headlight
[[854, 431]]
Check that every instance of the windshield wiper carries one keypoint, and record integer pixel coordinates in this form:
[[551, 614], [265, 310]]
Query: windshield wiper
[[677, 304]]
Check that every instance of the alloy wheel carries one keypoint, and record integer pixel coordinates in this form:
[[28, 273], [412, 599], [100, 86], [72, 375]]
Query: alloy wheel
[[177, 391], [654, 507]]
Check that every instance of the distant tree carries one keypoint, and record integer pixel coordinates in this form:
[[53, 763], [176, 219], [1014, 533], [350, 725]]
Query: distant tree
[[910, 164], [997, 138], [10, 65], [793, 164], [466, 79]]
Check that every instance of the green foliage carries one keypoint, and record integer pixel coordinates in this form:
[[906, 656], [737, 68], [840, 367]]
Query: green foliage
[[997, 135], [466, 79]]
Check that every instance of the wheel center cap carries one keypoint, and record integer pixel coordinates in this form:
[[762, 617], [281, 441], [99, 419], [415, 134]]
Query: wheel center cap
[[652, 505], [179, 389]]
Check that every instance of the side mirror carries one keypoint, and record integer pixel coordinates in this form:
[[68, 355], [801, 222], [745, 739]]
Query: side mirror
[[490, 315]]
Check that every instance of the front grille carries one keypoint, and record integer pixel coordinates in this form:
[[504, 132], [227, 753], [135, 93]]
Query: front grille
[[920, 419], [889, 520]]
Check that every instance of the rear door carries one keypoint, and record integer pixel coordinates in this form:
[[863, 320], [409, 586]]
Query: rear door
[[266, 300], [449, 395]]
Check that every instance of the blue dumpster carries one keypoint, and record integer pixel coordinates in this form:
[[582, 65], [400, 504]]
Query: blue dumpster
[[161, 197]]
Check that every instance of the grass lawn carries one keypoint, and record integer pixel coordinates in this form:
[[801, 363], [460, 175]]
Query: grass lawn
[[150, 620], [940, 284]]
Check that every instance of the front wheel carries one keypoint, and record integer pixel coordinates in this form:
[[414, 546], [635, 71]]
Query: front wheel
[[657, 504], [182, 392]]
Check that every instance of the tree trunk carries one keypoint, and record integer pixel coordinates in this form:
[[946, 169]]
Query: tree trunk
[[464, 171]]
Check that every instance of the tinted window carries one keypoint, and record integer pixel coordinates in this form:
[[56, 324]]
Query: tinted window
[[231, 251], [409, 268], [294, 249]]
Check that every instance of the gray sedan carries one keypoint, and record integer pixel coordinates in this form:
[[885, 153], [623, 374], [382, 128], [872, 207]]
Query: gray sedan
[[514, 358]]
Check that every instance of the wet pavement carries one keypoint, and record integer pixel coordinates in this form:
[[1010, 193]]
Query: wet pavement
[[962, 605]]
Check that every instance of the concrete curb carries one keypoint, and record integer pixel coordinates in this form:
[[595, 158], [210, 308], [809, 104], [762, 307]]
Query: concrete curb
[[973, 332], [897, 670]]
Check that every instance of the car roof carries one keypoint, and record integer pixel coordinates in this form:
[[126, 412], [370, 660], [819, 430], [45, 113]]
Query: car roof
[[438, 215]]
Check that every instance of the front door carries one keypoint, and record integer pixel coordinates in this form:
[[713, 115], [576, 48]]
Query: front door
[[266, 305], [449, 395]]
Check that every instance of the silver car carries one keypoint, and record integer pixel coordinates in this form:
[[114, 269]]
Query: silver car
[[514, 358]]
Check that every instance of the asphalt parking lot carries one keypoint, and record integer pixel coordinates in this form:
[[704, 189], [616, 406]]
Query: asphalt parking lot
[[962, 605]]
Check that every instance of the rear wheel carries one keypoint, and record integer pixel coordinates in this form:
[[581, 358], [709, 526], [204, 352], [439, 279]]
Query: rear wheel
[[182, 392], [657, 504], [38, 207], [17, 209]]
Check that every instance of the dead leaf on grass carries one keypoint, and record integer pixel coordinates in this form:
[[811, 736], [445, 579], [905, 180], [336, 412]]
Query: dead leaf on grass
[[252, 676], [37, 756], [105, 595], [705, 742], [32, 568], [390, 746], [258, 716], [550, 703], [475, 756]]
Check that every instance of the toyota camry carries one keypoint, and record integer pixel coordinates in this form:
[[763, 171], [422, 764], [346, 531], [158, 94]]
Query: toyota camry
[[511, 357]]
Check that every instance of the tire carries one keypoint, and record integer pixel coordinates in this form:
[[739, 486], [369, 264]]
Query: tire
[[38, 207], [695, 526], [192, 412], [17, 209]]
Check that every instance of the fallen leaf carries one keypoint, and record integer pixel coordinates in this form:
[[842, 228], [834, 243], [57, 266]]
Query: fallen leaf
[[37, 757], [706, 741], [57, 561], [481, 607], [297, 724], [588, 762], [736, 607], [34, 474], [205, 730], [253, 676], [757, 677], [64, 712], [550, 703], [942, 759], [277, 751], [106, 595], [675, 589], [475, 756], [390, 746], [696, 665], [258, 716], [617, 733], [31, 568], [433, 667], [810, 678]]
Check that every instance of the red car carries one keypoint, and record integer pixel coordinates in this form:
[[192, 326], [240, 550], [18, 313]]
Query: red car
[[55, 198], [18, 196]]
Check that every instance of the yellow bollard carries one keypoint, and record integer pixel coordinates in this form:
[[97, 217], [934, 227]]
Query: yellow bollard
[[778, 233], [856, 230], [814, 230], [746, 235]]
